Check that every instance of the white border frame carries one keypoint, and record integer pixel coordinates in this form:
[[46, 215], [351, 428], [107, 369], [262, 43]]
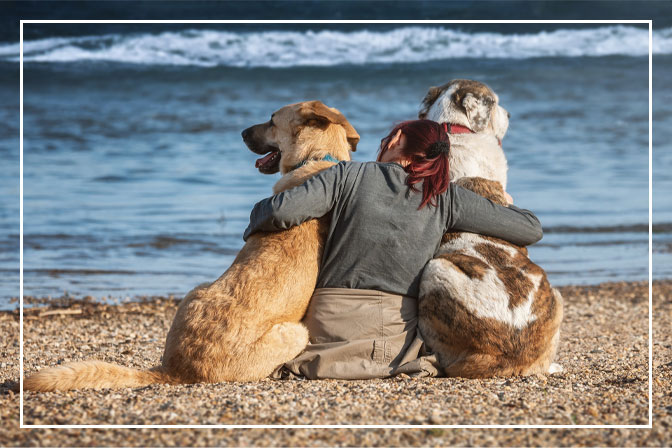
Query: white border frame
[[408, 22]]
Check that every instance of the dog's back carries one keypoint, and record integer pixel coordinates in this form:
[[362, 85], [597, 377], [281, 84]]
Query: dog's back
[[485, 308]]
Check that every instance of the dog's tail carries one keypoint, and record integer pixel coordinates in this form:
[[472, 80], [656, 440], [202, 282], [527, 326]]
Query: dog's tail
[[94, 375]]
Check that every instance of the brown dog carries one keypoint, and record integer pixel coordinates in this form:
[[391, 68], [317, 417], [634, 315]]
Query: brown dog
[[247, 322], [485, 308]]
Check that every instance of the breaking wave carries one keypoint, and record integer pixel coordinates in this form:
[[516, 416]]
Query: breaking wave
[[279, 49]]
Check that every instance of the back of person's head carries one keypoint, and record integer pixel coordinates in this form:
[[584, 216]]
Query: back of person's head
[[427, 148]]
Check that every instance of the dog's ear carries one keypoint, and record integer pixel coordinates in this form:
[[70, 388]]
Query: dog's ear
[[320, 114], [316, 111], [478, 109], [350, 134], [427, 102]]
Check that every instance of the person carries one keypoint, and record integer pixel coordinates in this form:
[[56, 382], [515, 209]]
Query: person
[[387, 221]]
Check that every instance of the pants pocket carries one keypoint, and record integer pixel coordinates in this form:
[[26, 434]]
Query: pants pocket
[[380, 351]]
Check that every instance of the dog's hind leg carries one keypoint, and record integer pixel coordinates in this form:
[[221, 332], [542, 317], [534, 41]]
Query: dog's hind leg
[[282, 343], [477, 365]]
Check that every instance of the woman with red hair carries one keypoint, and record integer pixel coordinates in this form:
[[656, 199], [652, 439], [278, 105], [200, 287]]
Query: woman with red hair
[[387, 221]]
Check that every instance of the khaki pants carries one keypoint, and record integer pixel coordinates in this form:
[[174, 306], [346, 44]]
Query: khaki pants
[[361, 334]]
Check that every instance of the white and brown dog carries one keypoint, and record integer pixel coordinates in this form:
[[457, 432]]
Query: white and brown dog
[[484, 308]]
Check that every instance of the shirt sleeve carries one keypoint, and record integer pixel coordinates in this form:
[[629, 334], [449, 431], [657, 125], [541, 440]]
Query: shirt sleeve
[[312, 199], [470, 212]]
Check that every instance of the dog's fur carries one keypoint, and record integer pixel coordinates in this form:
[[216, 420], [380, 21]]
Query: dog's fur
[[474, 105], [484, 307], [247, 322]]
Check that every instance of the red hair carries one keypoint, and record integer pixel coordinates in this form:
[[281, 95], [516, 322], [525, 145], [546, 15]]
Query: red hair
[[431, 171]]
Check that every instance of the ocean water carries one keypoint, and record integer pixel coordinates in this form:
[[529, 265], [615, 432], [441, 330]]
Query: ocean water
[[136, 180]]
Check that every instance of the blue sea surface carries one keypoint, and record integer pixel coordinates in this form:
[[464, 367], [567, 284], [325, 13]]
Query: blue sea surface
[[136, 180]]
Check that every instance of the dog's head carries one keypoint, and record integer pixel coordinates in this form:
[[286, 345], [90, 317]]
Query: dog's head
[[467, 103], [487, 188], [300, 132]]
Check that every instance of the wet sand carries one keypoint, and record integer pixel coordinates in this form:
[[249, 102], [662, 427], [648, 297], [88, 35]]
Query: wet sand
[[604, 352]]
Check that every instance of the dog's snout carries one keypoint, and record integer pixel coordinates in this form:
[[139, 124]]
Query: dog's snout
[[245, 134], [508, 114]]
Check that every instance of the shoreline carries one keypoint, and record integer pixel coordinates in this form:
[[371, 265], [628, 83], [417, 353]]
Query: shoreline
[[92, 304], [603, 349]]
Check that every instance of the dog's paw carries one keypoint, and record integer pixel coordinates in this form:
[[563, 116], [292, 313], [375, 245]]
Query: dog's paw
[[297, 334], [291, 336], [555, 368]]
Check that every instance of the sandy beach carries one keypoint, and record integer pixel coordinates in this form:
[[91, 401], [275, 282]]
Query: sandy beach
[[604, 352], [126, 174]]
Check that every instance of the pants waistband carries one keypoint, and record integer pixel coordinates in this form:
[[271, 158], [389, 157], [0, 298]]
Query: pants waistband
[[354, 292]]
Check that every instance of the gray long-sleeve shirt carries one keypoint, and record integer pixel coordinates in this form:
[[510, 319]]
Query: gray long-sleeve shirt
[[378, 239]]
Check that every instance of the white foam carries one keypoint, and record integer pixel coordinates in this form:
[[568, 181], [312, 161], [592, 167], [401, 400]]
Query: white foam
[[276, 49]]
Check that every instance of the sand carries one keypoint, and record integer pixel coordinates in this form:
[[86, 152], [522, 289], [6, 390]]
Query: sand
[[604, 352]]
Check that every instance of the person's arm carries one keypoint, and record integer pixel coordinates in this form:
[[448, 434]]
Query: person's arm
[[312, 199], [471, 212]]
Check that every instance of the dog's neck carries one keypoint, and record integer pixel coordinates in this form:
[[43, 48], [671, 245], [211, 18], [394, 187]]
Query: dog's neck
[[300, 175], [326, 158], [452, 128]]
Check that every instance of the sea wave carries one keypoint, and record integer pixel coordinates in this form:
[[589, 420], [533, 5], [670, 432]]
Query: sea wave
[[279, 49]]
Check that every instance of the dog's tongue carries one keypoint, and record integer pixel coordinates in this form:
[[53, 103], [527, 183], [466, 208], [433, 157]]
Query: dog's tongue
[[264, 159]]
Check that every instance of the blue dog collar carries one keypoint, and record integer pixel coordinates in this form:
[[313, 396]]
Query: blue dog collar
[[326, 158]]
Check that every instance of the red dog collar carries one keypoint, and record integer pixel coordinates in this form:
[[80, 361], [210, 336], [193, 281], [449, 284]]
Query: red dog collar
[[459, 129], [456, 129]]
